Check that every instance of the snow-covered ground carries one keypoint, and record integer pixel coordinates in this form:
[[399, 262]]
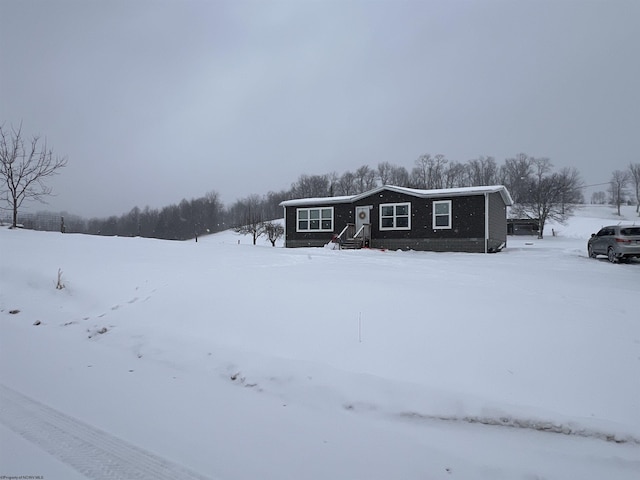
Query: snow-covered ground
[[224, 360]]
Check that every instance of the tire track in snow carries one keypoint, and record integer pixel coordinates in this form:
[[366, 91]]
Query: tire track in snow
[[537, 425], [92, 452], [507, 421]]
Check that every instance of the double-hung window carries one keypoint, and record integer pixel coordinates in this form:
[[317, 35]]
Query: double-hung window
[[441, 214], [315, 219], [395, 216]]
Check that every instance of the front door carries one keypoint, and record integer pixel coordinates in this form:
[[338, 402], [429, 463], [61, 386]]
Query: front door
[[362, 217]]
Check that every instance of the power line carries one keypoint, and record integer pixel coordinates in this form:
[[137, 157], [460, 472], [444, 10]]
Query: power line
[[594, 185]]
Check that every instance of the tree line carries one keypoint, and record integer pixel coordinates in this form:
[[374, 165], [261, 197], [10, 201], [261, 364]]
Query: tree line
[[537, 189]]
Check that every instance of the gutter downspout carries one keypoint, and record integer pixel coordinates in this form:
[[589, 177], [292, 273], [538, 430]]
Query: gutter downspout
[[486, 223], [285, 226]]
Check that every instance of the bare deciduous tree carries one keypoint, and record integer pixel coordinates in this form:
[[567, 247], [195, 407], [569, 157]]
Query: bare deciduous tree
[[634, 173], [384, 172], [429, 172], [420, 174], [399, 176], [570, 185], [365, 178], [273, 231], [309, 186], [598, 198], [251, 217], [24, 169], [617, 187], [346, 184], [439, 168], [515, 175], [549, 195], [332, 178], [483, 171], [253, 229], [454, 175]]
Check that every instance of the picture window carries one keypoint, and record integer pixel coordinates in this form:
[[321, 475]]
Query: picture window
[[315, 219], [395, 216]]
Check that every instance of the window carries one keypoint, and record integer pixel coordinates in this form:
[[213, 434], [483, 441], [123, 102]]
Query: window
[[395, 216], [632, 231], [441, 214], [315, 219]]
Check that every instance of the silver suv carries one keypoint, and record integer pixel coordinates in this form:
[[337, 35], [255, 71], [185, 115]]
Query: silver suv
[[617, 242]]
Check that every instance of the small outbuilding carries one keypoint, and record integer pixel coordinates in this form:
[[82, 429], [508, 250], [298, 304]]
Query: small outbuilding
[[522, 226], [467, 219]]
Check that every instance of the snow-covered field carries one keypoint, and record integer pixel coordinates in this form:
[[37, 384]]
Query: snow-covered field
[[224, 360]]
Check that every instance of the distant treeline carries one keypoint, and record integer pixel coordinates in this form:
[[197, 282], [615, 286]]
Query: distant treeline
[[207, 214]]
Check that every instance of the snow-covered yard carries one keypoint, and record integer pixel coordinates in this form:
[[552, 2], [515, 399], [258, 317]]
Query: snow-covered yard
[[223, 360]]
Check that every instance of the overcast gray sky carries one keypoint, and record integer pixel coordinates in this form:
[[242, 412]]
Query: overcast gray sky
[[155, 101]]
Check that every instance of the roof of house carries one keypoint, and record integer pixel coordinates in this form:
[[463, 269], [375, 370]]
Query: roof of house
[[441, 192]]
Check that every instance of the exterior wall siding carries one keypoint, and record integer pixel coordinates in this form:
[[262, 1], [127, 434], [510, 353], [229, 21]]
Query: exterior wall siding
[[467, 217], [342, 214], [467, 232], [471, 245], [497, 222]]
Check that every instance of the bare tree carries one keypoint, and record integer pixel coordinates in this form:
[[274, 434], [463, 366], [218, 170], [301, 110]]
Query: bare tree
[[251, 228], [634, 173], [250, 217], [515, 173], [548, 195], [309, 186], [272, 208], [438, 172], [384, 172], [346, 184], [598, 198], [399, 176], [570, 185], [273, 231], [420, 174], [24, 169], [365, 178], [483, 171], [332, 178], [429, 172], [617, 187], [454, 175]]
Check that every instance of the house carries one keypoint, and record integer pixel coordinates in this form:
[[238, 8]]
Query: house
[[468, 219]]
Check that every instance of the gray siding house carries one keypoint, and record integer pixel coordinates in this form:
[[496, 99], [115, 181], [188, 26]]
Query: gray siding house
[[468, 219]]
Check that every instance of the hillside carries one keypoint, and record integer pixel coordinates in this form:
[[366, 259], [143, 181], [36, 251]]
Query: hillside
[[224, 360]]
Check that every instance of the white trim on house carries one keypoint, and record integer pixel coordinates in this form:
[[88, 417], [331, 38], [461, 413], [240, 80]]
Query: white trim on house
[[486, 222], [439, 215], [442, 192], [286, 226], [395, 216], [301, 202]]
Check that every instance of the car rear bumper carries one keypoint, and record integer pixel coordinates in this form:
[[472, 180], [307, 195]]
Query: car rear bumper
[[628, 250]]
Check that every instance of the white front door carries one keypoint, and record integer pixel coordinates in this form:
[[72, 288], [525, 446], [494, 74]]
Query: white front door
[[362, 216]]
